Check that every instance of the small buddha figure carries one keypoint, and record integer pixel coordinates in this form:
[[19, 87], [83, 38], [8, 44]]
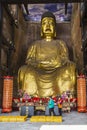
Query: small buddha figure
[[48, 70]]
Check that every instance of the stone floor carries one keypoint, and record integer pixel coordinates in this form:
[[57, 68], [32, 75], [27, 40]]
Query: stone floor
[[72, 118]]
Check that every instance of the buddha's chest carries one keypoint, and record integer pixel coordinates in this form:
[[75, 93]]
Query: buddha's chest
[[47, 50]]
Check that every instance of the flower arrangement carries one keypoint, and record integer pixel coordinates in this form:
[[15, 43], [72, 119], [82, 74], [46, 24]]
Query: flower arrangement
[[66, 94], [68, 97], [23, 95], [26, 96]]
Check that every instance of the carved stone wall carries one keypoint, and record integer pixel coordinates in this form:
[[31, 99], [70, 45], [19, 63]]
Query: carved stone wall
[[77, 37], [17, 34], [20, 40]]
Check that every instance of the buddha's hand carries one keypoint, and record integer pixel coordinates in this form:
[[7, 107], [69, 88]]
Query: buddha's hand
[[51, 64]]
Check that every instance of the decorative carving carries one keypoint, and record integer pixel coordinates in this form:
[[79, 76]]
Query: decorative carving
[[13, 8]]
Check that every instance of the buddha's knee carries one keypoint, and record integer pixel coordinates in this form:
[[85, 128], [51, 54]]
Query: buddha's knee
[[21, 73], [71, 68], [30, 84], [66, 79], [66, 85], [67, 71]]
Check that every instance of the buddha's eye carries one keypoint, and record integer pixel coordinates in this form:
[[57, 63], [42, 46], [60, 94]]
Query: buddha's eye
[[43, 23], [50, 22]]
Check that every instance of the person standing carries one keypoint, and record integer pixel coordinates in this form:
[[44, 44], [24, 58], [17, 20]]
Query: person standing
[[51, 106], [60, 106]]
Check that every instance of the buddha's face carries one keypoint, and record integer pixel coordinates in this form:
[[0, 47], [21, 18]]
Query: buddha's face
[[48, 27]]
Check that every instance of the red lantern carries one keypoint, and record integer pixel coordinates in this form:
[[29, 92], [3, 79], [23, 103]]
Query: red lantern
[[81, 94], [7, 94]]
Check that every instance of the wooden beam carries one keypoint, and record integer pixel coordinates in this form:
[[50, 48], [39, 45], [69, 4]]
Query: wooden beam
[[40, 1]]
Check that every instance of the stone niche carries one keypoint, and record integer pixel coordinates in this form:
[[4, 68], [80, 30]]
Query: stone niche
[[27, 32]]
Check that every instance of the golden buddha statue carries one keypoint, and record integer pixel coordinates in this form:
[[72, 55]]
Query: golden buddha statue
[[48, 70]]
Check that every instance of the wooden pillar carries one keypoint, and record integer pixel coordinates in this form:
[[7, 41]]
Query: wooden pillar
[[1, 20]]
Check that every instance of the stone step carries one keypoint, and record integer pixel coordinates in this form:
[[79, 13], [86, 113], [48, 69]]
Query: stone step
[[13, 118], [46, 119]]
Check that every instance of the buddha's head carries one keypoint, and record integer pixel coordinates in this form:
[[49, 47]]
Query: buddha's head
[[48, 25]]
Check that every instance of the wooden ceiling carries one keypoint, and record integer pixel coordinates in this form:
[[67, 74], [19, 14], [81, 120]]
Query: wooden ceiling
[[40, 1]]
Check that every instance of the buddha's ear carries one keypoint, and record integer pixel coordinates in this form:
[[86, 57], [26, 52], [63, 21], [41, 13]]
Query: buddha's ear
[[55, 34], [41, 33]]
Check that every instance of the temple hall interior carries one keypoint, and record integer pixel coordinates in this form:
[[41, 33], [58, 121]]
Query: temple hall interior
[[20, 27]]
